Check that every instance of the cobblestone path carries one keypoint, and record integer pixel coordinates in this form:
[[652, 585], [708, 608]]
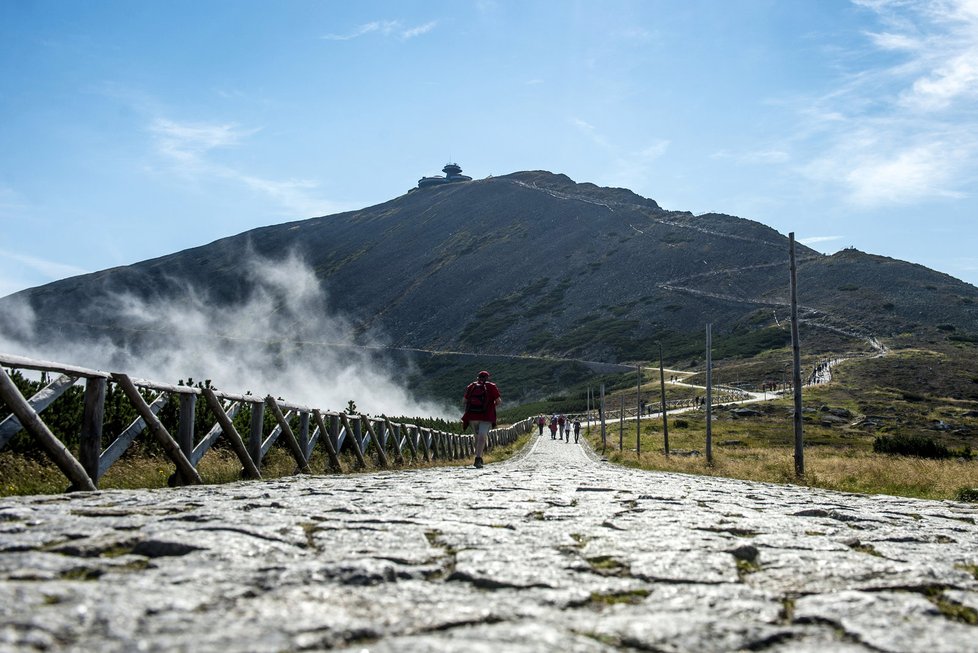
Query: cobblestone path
[[553, 551]]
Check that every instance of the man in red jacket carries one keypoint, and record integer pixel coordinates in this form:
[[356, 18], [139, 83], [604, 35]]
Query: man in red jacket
[[481, 398]]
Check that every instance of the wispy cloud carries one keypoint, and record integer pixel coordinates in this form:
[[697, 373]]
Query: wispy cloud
[[590, 131], [902, 130], [48, 269], [815, 240], [387, 28], [754, 157], [188, 142], [187, 147]]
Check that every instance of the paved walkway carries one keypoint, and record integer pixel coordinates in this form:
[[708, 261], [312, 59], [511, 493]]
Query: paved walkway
[[553, 551]]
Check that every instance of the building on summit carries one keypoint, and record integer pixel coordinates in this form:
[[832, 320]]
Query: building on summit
[[453, 173]]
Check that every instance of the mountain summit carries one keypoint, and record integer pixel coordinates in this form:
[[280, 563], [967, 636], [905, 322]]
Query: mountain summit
[[534, 263]]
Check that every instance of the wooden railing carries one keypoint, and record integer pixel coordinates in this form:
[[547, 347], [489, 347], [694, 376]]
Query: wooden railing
[[335, 432]]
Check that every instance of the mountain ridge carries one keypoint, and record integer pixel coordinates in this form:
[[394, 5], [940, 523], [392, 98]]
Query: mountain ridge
[[534, 263]]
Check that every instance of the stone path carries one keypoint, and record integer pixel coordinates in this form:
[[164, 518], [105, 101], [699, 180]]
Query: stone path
[[553, 551]]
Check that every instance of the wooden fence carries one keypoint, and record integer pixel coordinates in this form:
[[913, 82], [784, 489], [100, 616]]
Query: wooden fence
[[366, 437]]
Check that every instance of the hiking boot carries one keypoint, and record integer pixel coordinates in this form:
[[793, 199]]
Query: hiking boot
[[478, 462]]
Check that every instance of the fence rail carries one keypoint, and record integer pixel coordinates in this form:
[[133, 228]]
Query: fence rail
[[390, 443]]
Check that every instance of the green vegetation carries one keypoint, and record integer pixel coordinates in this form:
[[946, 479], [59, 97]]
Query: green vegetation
[[881, 427]]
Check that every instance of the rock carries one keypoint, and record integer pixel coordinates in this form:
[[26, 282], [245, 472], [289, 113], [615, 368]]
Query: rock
[[553, 551], [746, 412]]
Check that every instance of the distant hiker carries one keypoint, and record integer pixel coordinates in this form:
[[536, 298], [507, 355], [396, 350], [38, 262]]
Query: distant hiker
[[561, 424], [577, 430], [480, 399], [553, 427], [541, 422]]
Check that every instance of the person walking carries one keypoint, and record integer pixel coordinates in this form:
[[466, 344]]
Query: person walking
[[561, 425], [553, 427], [541, 422], [480, 399], [577, 430]]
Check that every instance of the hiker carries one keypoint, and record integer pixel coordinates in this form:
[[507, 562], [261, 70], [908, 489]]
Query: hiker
[[561, 422], [553, 427], [480, 400], [577, 430], [541, 422]]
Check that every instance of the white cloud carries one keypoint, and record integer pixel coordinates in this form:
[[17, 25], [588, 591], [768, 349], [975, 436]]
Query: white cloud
[[187, 146], [901, 129], [187, 142], [653, 151], [50, 269], [385, 28], [815, 240], [906, 175]]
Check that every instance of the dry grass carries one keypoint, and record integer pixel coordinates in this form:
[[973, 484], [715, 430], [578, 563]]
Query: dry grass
[[850, 466], [23, 475]]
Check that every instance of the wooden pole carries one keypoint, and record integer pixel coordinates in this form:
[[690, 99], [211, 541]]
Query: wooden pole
[[621, 425], [327, 440], [638, 414], [293, 444], [256, 432], [604, 431], [662, 388], [187, 472], [709, 393], [796, 362], [31, 421], [250, 468], [93, 418]]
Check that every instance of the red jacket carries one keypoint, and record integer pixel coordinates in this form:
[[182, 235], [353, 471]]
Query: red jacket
[[489, 415]]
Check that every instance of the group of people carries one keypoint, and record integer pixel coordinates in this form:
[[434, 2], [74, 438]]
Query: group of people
[[560, 427]]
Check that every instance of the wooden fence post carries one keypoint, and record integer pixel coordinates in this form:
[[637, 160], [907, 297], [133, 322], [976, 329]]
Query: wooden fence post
[[662, 388], [256, 433], [172, 449], [290, 440], [93, 420], [327, 439], [250, 468], [31, 421]]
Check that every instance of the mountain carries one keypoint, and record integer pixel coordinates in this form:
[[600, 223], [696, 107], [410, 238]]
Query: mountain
[[534, 263]]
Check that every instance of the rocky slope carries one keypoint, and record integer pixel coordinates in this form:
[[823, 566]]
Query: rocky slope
[[533, 262]]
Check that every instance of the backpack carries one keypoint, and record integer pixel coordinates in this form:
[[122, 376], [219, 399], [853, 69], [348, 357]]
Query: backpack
[[477, 399]]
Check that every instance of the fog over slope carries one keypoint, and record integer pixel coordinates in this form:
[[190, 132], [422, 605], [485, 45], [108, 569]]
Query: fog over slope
[[281, 340]]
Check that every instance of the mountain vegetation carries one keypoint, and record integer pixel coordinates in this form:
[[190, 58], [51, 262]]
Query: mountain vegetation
[[559, 286], [532, 264]]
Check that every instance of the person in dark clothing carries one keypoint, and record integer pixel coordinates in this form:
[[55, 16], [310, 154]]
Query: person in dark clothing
[[480, 400]]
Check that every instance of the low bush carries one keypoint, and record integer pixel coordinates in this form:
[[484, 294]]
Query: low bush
[[911, 445], [968, 494]]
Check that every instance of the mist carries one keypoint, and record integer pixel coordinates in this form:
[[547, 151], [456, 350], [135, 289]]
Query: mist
[[284, 340]]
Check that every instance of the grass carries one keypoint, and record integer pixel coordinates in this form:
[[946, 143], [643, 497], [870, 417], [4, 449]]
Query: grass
[[24, 475], [762, 449]]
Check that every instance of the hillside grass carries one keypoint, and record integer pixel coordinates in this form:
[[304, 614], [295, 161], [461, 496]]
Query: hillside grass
[[764, 451], [931, 394]]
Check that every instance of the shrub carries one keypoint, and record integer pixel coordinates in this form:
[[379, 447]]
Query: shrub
[[910, 445], [968, 494]]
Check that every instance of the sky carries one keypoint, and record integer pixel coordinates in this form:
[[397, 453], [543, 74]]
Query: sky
[[131, 130]]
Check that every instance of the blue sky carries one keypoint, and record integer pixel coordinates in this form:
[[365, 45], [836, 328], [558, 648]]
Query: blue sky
[[133, 129]]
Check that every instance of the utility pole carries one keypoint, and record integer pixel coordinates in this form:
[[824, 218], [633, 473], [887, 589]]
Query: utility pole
[[709, 394], [662, 387], [638, 414], [604, 432], [621, 425], [796, 362]]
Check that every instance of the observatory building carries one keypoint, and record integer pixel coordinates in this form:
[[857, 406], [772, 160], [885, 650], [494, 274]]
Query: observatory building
[[453, 173]]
